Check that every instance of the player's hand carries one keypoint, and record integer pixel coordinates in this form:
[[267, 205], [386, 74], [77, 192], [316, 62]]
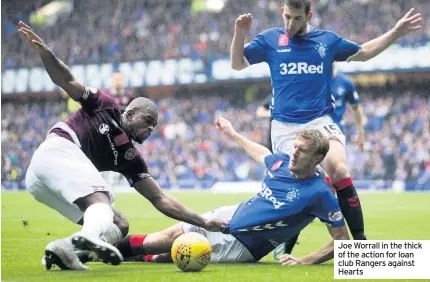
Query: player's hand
[[225, 126], [360, 142], [33, 39], [215, 225], [409, 22], [288, 260], [243, 23]]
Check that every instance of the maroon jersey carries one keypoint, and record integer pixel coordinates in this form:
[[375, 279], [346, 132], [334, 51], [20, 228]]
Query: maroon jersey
[[98, 127]]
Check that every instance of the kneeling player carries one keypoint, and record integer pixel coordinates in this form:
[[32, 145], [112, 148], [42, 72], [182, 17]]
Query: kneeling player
[[292, 195]]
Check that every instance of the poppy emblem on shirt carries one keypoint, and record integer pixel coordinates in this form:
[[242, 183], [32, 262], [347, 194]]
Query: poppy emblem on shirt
[[276, 165], [283, 40]]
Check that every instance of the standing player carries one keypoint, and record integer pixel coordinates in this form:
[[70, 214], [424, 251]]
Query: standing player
[[292, 195], [344, 92], [263, 111], [300, 59], [64, 172]]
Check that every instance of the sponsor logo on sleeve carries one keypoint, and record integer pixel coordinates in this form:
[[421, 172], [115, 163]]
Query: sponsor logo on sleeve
[[335, 215]]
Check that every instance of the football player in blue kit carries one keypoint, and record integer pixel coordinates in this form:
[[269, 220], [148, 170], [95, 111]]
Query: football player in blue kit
[[292, 194], [343, 91], [300, 59]]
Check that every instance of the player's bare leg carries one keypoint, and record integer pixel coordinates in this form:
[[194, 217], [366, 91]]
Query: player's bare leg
[[335, 165], [155, 243], [162, 258]]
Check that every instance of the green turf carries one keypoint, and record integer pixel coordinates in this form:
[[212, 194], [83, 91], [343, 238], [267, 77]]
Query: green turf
[[387, 216]]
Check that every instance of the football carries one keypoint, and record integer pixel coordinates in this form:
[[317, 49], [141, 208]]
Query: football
[[191, 252]]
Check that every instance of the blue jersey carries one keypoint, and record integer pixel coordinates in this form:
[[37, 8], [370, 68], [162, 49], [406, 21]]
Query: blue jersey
[[283, 207], [343, 91], [301, 70]]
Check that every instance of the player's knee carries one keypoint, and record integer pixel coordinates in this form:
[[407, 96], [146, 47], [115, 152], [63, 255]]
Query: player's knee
[[121, 221], [174, 231], [338, 171]]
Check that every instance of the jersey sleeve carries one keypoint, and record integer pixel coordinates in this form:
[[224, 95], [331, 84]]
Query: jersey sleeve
[[327, 209], [344, 49], [352, 94], [255, 51], [134, 167], [270, 160], [94, 99]]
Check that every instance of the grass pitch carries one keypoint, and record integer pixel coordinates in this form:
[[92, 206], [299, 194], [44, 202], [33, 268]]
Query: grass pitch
[[27, 226]]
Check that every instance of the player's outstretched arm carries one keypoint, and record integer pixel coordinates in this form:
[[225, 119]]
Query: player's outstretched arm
[[254, 150], [359, 122], [57, 70], [242, 26], [410, 22], [172, 208], [322, 255]]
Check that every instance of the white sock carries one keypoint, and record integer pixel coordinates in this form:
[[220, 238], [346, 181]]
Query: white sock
[[97, 219], [112, 234]]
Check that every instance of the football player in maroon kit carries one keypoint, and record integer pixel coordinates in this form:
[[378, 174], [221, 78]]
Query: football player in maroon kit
[[64, 172]]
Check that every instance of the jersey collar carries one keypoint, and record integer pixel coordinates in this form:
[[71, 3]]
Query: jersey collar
[[311, 30]]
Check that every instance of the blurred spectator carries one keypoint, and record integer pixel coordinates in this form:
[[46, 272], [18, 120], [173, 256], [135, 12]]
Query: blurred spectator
[[71, 105], [121, 95], [127, 30]]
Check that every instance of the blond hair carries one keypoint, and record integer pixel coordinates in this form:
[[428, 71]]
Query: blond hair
[[319, 141]]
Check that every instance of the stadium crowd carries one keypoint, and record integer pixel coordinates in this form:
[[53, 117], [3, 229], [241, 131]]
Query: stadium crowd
[[186, 147], [126, 30]]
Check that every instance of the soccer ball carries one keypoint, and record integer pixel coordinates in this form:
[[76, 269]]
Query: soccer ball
[[191, 252]]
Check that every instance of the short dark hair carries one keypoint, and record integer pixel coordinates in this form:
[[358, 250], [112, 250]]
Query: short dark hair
[[320, 142], [299, 4]]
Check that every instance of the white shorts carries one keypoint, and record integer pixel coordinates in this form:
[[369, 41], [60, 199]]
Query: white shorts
[[284, 134], [60, 173], [225, 248]]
